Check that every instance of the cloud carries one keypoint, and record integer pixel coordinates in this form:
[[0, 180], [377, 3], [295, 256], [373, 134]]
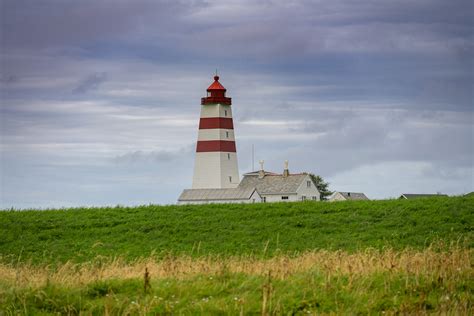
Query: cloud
[[92, 82], [141, 157], [411, 177], [255, 29], [100, 99]]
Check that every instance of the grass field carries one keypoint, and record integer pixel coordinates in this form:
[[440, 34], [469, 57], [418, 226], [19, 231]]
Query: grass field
[[373, 281], [80, 235], [364, 257]]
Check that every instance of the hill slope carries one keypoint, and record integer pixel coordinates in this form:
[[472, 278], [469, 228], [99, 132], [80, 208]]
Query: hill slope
[[261, 229]]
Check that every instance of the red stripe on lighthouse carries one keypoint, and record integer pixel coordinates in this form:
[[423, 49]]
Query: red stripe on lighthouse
[[215, 145], [216, 122]]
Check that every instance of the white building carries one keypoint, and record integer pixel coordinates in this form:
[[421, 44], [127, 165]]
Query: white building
[[206, 196], [410, 196], [283, 187], [216, 173], [346, 196], [215, 164]]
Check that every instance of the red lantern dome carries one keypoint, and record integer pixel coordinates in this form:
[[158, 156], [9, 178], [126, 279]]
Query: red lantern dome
[[216, 94]]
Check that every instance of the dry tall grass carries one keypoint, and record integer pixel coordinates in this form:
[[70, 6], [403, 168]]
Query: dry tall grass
[[428, 262]]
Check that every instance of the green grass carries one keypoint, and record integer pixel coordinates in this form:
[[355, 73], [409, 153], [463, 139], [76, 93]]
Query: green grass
[[399, 276], [303, 293], [83, 234]]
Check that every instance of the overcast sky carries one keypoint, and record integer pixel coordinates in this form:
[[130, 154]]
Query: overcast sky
[[100, 99]]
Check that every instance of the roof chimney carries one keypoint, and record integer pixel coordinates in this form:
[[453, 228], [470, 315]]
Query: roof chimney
[[286, 172], [261, 173]]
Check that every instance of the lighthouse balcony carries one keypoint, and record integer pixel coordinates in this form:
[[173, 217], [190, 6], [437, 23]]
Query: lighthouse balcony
[[214, 100]]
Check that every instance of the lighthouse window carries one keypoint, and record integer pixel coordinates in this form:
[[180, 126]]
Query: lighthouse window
[[227, 134], [225, 112], [228, 156], [230, 179]]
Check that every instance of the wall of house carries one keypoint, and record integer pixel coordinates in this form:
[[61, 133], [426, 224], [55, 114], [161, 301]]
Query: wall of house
[[308, 192], [255, 198], [337, 197], [277, 197]]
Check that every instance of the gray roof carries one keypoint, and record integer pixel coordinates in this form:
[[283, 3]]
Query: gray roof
[[256, 173], [417, 196], [353, 195], [273, 183], [216, 194]]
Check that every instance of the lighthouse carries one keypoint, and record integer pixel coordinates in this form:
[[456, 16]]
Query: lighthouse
[[216, 174], [215, 164]]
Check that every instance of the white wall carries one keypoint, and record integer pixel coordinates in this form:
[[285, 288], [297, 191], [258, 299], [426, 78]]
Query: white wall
[[212, 170], [277, 197], [215, 134], [303, 190], [254, 198], [337, 197], [215, 110], [229, 167]]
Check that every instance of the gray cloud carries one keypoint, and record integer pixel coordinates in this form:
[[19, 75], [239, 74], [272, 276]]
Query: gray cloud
[[141, 157], [268, 28], [100, 99], [92, 82]]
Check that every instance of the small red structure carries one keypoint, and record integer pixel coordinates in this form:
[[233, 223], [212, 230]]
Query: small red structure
[[216, 94]]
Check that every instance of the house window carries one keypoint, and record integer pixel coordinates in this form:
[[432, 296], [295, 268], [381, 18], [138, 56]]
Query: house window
[[284, 198], [303, 198], [264, 199], [308, 184], [228, 156], [227, 134], [225, 112], [314, 198], [230, 179]]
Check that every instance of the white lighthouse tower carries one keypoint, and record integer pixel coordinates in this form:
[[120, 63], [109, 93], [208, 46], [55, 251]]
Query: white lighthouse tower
[[215, 165]]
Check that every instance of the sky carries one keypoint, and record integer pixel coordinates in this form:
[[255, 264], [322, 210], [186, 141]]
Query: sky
[[100, 99]]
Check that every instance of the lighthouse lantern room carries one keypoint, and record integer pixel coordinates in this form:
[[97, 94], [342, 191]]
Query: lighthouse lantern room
[[215, 165]]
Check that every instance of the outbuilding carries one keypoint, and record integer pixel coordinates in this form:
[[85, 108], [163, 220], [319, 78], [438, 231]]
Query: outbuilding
[[232, 195], [347, 196], [410, 196]]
